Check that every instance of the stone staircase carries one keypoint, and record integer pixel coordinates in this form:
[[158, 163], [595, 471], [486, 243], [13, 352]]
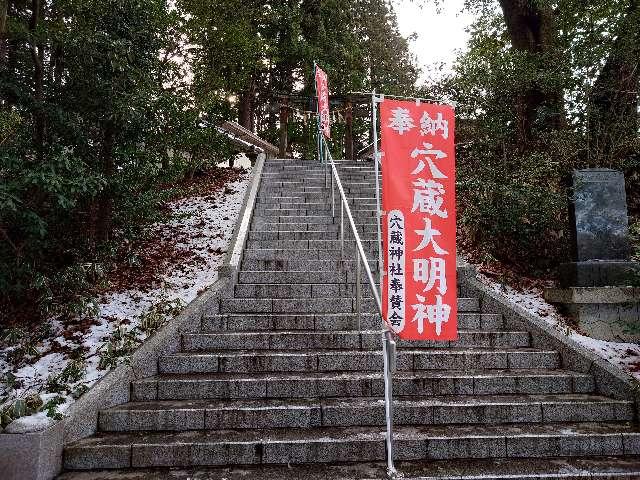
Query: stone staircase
[[279, 383]]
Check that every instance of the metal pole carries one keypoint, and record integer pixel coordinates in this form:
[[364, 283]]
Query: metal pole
[[389, 353], [376, 157], [326, 163], [388, 344], [341, 229], [333, 200], [358, 290]]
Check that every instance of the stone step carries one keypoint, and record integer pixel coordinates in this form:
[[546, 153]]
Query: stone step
[[306, 265], [302, 254], [268, 226], [298, 235], [315, 177], [315, 305], [313, 211], [253, 361], [290, 276], [359, 384], [315, 198], [352, 339], [294, 189], [266, 204], [292, 186], [288, 219], [548, 468], [350, 444], [332, 322], [311, 413], [255, 242], [298, 290], [298, 286], [325, 218]]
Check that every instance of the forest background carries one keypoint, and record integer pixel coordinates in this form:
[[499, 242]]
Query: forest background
[[108, 106]]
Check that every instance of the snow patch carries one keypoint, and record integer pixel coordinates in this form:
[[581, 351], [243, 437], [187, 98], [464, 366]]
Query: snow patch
[[203, 226], [624, 355]]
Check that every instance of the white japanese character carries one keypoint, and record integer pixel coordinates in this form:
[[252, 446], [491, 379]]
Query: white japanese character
[[428, 197], [429, 152], [431, 126], [401, 120], [429, 272], [436, 314], [428, 236]]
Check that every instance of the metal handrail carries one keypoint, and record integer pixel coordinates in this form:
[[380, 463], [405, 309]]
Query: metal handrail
[[388, 340]]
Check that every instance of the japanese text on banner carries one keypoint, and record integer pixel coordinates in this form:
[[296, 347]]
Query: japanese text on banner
[[419, 229]]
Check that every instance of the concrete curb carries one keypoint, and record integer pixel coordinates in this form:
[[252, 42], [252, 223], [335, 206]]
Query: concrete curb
[[233, 257], [38, 455], [609, 379]]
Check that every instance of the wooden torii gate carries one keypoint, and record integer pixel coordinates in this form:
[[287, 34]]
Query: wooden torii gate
[[352, 104]]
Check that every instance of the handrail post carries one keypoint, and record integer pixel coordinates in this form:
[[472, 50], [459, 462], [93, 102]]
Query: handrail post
[[358, 289], [341, 230], [388, 344], [388, 353], [333, 200], [326, 165]]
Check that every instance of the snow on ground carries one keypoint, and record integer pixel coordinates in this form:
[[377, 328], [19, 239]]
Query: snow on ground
[[624, 355], [202, 226]]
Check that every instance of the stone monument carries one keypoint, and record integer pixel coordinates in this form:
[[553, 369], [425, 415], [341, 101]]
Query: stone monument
[[597, 289]]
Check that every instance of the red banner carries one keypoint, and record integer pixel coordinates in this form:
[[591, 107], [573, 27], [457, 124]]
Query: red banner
[[419, 226], [322, 92]]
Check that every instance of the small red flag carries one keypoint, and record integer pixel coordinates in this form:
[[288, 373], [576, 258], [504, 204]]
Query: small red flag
[[322, 92]]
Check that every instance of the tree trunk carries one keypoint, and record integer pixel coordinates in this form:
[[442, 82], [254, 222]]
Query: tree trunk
[[104, 217], [532, 30], [4, 10], [37, 56], [284, 128], [246, 113], [613, 102], [348, 131]]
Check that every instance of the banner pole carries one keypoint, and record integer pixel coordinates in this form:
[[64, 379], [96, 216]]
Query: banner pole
[[388, 344], [376, 160], [315, 89]]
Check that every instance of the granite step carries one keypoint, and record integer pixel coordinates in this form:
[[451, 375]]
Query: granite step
[[265, 204], [343, 360], [359, 384], [369, 244], [350, 444], [311, 413], [302, 188], [307, 211], [315, 305], [548, 468], [302, 254], [350, 339], [299, 290], [300, 287], [314, 198], [267, 226], [301, 219], [331, 322], [308, 265], [299, 235]]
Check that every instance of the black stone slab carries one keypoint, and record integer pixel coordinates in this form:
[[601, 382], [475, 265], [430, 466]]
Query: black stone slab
[[598, 209], [599, 273]]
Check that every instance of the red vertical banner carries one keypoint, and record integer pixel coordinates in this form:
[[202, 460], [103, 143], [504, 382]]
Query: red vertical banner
[[322, 92], [419, 226]]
